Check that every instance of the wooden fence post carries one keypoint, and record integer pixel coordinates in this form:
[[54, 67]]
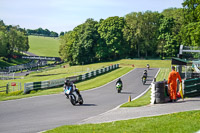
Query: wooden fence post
[[7, 89]]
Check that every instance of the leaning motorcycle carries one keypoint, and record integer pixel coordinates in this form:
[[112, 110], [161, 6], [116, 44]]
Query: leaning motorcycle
[[73, 96], [144, 79], [119, 87]]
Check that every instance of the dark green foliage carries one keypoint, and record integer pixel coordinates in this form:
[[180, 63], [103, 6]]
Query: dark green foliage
[[190, 32], [78, 46], [110, 31], [42, 32], [138, 34], [168, 43], [141, 32], [12, 38]]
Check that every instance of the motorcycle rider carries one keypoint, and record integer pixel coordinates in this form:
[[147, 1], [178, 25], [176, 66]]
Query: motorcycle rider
[[69, 84], [148, 66], [144, 74], [119, 81]]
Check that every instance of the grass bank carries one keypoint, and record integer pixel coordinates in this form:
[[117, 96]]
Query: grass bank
[[44, 46], [188, 122]]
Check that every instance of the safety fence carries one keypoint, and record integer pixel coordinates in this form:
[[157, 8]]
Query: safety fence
[[21, 67], [11, 87], [5, 89], [191, 87], [58, 82], [6, 76]]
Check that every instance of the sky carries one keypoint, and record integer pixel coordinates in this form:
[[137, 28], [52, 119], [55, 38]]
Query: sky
[[65, 15]]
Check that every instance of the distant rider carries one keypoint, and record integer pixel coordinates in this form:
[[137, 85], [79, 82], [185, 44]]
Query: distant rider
[[69, 84], [144, 74], [119, 81], [148, 66]]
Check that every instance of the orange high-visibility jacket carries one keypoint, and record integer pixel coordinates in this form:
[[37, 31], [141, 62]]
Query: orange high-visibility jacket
[[173, 75]]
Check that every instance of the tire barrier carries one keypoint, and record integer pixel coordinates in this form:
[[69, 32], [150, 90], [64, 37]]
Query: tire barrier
[[58, 82], [159, 92]]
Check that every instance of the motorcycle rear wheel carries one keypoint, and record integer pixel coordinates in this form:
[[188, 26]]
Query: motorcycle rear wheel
[[80, 100]]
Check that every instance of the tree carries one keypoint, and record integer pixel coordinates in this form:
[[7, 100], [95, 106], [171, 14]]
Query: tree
[[149, 31], [79, 45], [190, 34], [141, 32], [190, 31], [12, 39], [191, 10], [167, 40], [110, 30], [42, 32], [62, 33], [173, 39], [66, 48], [131, 33]]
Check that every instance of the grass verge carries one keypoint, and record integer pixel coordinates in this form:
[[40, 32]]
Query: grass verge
[[142, 101], [188, 122]]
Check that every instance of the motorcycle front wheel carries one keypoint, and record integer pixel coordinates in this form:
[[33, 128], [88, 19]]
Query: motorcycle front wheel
[[73, 99], [119, 90]]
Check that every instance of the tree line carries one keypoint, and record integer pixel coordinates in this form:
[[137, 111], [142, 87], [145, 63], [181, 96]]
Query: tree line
[[136, 35], [12, 39], [42, 32]]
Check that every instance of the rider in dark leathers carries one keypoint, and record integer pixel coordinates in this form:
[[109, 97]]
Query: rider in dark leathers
[[69, 84], [144, 74]]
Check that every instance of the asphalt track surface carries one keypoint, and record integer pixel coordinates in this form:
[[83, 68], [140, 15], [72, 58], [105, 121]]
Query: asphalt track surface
[[41, 113]]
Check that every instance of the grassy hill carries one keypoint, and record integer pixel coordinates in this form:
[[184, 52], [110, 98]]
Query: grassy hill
[[44, 46]]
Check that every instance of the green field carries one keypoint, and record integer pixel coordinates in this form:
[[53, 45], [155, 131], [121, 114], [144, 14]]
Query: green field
[[44, 46]]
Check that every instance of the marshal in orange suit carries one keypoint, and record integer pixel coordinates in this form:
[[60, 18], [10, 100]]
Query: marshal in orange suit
[[172, 83]]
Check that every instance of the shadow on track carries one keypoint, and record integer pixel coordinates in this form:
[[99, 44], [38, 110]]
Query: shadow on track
[[126, 92], [88, 105]]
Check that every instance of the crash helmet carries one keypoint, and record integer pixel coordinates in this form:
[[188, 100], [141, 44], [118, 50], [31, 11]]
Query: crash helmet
[[67, 82]]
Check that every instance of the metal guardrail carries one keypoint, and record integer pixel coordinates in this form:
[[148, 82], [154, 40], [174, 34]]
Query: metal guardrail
[[58, 82], [191, 87]]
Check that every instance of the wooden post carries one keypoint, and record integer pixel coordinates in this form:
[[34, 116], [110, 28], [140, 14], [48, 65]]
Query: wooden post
[[7, 89]]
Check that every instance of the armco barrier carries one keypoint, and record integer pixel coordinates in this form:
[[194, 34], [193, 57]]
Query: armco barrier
[[58, 82], [191, 87]]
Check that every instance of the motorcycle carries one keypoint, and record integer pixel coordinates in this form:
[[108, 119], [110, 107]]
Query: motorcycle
[[148, 66], [119, 87], [144, 79], [73, 96]]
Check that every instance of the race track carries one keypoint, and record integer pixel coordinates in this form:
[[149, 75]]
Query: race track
[[41, 113]]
